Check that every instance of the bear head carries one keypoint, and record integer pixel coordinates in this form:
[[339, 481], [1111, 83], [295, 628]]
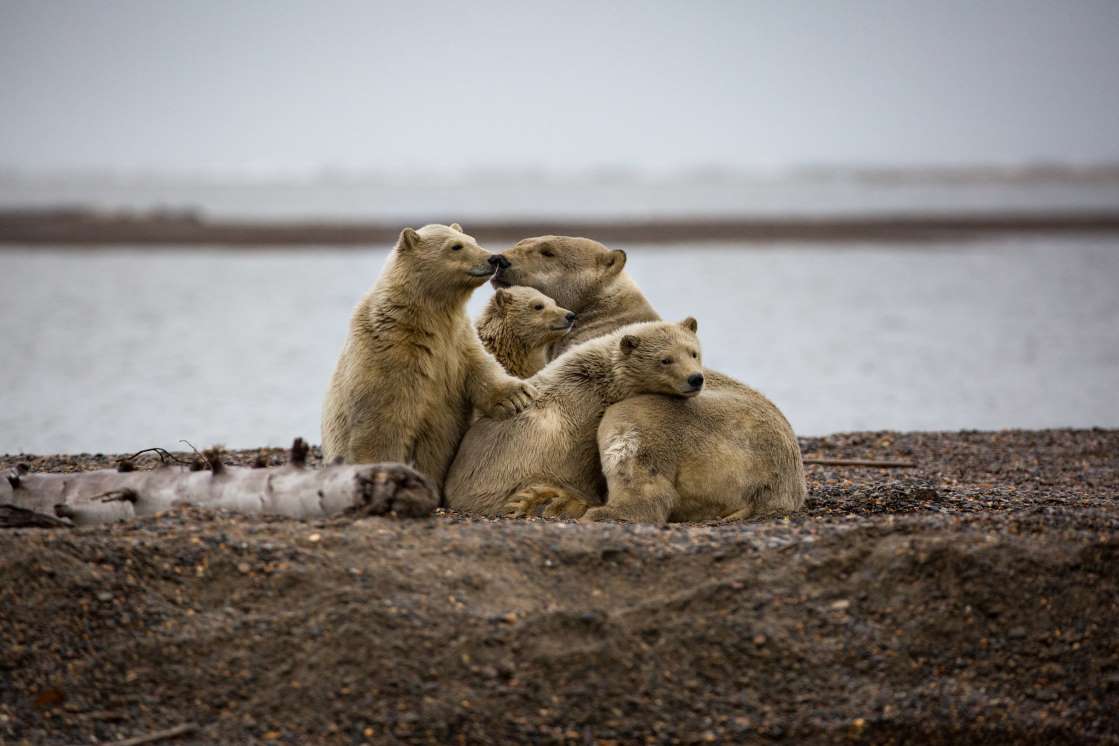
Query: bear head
[[660, 357], [571, 270], [442, 259], [532, 316]]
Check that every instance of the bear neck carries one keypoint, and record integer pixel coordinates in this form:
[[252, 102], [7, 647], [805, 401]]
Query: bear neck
[[403, 295], [594, 368], [618, 303]]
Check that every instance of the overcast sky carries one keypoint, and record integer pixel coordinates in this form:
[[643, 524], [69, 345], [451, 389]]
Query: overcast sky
[[298, 86]]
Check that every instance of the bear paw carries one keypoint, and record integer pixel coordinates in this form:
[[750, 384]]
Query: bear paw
[[512, 399], [545, 501], [602, 513]]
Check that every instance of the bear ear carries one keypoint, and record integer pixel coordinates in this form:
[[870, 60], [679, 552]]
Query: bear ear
[[629, 344], [455, 227], [500, 297], [408, 240], [613, 262], [690, 324]]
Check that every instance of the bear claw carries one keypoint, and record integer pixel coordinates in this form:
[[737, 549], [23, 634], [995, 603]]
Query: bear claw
[[515, 399], [544, 501]]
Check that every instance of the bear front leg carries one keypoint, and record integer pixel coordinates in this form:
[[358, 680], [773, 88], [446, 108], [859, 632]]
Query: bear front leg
[[636, 492], [493, 392]]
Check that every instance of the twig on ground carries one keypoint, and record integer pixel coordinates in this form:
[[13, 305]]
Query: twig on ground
[[200, 461], [159, 735], [861, 462], [163, 454]]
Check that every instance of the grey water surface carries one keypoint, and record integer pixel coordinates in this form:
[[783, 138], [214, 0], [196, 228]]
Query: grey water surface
[[117, 350]]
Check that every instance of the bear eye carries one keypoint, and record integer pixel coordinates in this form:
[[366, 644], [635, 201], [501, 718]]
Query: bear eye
[[694, 354], [666, 361], [539, 306], [457, 247], [547, 252]]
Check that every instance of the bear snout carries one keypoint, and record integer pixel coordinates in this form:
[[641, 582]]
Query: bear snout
[[499, 261], [695, 380]]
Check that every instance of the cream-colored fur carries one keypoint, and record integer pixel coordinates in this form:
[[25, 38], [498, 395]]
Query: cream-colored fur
[[412, 369], [728, 453], [518, 327], [552, 444]]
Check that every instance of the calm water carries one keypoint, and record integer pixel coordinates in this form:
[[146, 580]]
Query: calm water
[[121, 350]]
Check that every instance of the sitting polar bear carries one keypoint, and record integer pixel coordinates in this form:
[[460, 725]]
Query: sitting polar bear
[[412, 370], [549, 450]]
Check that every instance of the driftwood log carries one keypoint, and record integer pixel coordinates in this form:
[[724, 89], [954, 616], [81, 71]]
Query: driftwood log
[[292, 490]]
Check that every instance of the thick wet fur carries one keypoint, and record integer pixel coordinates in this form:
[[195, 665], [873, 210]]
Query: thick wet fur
[[518, 327], [551, 446], [412, 369], [728, 453]]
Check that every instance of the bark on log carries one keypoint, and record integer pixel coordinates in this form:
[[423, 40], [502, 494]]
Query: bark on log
[[292, 490], [12, 516]]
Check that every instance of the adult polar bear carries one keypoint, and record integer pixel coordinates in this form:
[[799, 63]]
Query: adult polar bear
[[728, 453]]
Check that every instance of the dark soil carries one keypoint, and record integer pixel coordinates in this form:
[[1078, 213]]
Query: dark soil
[[972, 599]]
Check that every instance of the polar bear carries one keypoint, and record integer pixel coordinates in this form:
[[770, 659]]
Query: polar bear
[[412, 369]]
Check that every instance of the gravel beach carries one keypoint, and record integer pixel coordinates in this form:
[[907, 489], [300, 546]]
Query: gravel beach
[[973, 598]]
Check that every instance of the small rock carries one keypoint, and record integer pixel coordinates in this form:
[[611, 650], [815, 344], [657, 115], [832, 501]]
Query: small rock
[[841, 604], [104, 596], [244, 567]]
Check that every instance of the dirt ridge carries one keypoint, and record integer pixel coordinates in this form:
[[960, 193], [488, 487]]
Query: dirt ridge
[[969, 600]]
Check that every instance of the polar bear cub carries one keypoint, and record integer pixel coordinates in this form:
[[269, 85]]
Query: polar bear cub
[[412, 369], [519, 325]]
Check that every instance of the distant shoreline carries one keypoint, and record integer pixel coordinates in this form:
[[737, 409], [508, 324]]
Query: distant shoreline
[[77, 227]]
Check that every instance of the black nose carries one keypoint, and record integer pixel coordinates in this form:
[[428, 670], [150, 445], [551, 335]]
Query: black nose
[[695, 380], [570, 316], [499, 261]]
